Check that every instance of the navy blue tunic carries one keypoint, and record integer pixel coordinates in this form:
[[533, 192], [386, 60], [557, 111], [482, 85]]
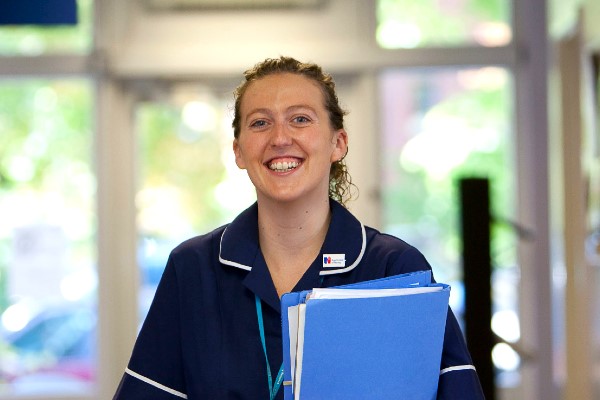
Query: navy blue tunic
[[201, 338]]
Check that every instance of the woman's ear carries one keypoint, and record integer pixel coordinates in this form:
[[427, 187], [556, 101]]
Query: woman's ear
[[341, 145], [239, 161]]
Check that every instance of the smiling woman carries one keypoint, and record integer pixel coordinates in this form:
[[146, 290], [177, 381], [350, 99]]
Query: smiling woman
[[340, 182], [284, 123], [214, 327]]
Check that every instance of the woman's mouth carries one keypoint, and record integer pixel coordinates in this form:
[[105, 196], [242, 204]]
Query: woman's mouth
[[283, 166]]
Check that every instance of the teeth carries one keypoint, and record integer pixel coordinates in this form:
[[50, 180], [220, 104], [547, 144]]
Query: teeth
[[283, 166]]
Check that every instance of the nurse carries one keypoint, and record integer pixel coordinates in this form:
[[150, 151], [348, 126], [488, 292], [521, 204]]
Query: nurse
[[214, 328]]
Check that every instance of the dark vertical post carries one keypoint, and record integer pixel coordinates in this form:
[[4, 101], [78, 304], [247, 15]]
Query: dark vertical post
[[475, 218]]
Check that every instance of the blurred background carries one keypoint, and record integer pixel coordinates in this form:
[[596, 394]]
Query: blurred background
[[115, 145]]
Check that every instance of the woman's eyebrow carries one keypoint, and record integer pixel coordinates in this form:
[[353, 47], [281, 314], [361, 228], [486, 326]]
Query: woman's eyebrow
[[295, 107], [259, 111], [302, 107]]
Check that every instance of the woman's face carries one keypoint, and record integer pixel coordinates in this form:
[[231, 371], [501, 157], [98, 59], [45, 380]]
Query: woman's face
[[286, 142]]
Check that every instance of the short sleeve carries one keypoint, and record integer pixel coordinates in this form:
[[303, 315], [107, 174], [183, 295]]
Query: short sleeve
[[155, 370], [458, 377]]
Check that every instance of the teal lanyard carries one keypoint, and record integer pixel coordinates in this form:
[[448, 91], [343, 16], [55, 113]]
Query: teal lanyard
[[261, 328]]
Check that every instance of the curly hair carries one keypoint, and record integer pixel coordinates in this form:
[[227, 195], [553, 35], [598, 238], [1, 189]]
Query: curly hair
[[340, 181]]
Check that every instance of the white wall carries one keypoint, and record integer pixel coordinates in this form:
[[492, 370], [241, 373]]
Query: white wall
[[144, 41]]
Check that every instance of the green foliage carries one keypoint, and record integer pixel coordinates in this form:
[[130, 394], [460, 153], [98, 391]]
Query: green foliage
[[45, 149], [171, 155], [438, 22], [421, 199], [45, 124], [493, 10]]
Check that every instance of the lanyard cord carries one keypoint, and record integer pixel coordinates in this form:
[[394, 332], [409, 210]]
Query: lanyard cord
[[261, 328]]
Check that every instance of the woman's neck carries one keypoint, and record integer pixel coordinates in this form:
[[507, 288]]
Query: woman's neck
[[291, 236]]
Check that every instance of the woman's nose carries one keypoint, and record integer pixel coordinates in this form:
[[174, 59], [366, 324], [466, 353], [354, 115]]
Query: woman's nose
[[281, 136]]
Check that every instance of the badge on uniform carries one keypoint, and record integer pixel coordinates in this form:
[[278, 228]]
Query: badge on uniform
[[334, 260]]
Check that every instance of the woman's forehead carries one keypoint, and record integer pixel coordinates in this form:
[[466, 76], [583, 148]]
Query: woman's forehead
[[282, 88]]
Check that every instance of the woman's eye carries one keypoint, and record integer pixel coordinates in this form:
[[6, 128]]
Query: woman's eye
[[301, 119], [258, 123]]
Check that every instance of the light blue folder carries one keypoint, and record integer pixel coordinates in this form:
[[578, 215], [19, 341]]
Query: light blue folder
[[369, 348]]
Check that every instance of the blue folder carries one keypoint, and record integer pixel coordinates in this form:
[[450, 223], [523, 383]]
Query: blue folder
[[369, 348]]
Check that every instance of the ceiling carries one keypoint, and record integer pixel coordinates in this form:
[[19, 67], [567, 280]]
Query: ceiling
[[231, 4]]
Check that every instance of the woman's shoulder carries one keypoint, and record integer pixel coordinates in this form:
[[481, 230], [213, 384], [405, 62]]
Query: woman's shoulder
[[199, 243], [387, 241], [385, 246]]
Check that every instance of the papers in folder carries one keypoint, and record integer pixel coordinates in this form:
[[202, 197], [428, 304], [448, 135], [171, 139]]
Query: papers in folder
[[378, 339]]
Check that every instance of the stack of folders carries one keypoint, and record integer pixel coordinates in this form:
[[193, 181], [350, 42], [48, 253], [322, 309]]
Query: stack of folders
[[379, 339]]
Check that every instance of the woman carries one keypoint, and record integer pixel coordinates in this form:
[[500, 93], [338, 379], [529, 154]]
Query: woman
[[214, 328]]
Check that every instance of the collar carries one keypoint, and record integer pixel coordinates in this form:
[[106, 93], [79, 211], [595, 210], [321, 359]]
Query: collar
[[342, 250]]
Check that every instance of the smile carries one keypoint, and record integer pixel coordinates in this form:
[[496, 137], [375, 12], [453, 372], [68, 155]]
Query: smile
[[283, 166]]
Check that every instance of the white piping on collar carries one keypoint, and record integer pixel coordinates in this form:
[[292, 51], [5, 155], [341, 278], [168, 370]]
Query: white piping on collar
[[228, 262], [325, 272], [358, 259]]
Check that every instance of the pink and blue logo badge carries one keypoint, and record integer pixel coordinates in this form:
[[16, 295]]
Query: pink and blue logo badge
[[334, 260]]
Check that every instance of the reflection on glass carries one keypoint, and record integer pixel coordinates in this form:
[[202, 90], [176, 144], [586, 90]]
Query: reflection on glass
[[30, 40], [435, 23], [440, 125], [189, 182], [47, 238]]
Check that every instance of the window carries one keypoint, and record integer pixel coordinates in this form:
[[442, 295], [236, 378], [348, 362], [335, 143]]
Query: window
[[47, 237], [436, 23], [441, 125]]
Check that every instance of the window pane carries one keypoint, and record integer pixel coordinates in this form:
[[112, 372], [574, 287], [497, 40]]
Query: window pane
[[189, 182], [47, 237], [440, 125], [435, 23], [31, 40]]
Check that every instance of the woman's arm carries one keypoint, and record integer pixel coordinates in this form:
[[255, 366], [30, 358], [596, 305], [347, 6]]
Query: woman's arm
[[155, 370]]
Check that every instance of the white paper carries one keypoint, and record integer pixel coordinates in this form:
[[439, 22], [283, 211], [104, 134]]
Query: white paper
[[297, 380], [293, 331], [332, 293]]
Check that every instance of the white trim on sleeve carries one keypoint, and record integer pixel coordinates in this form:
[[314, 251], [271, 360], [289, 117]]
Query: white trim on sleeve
[[457, 368], [155, 384]]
